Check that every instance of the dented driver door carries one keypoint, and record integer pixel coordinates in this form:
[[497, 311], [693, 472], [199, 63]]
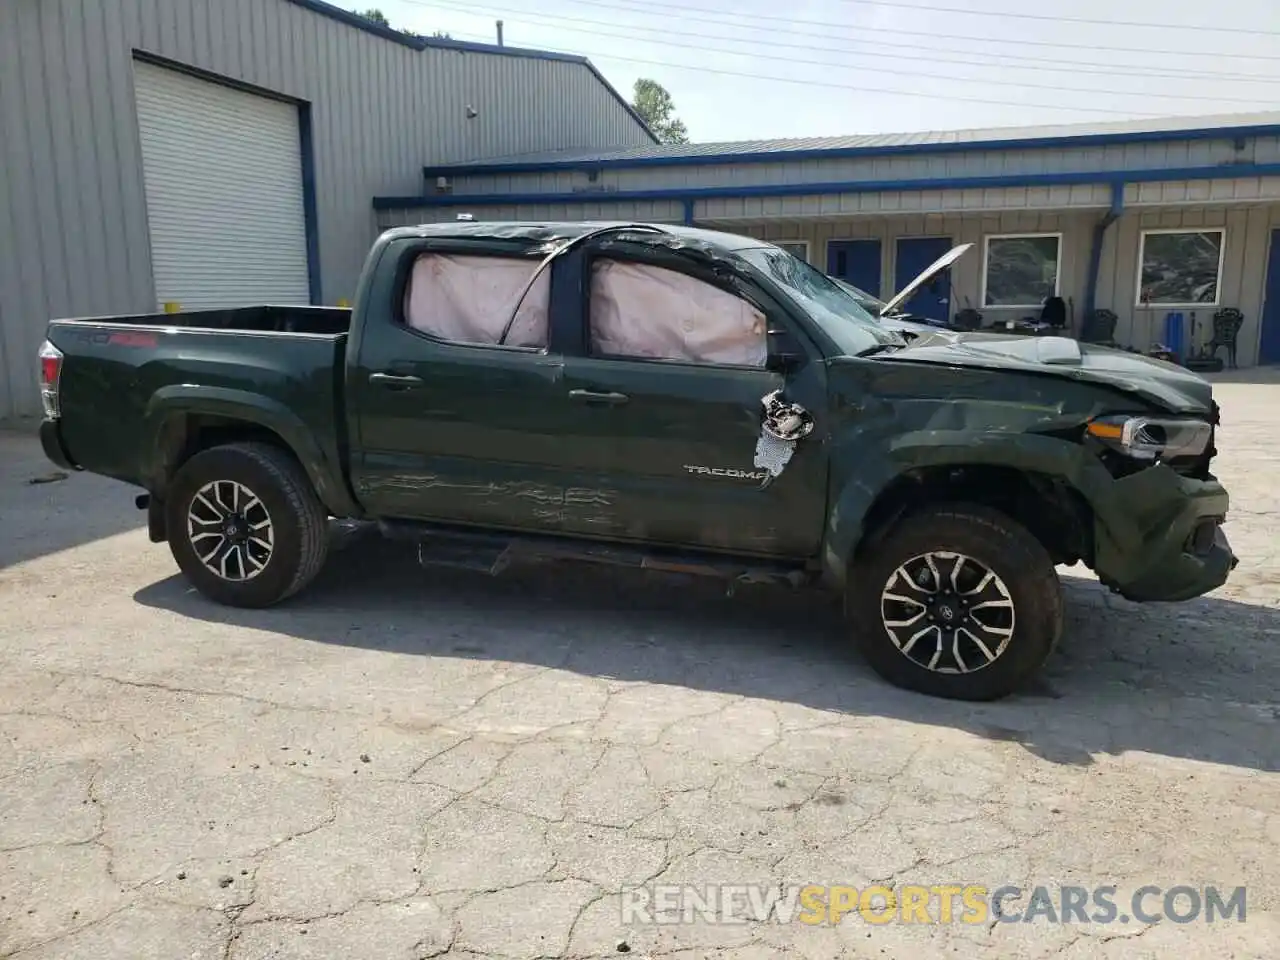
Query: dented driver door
[[669, 445], [676, 461]]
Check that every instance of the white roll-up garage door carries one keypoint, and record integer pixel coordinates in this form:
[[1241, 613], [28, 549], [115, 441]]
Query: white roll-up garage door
[[223, 172]]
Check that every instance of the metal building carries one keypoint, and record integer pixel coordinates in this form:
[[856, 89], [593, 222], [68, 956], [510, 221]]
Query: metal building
[[221, 152], [1143, 219]]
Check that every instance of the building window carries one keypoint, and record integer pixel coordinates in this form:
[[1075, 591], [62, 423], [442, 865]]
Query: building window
[[1022, 270], [1180, 267], [797, 248]]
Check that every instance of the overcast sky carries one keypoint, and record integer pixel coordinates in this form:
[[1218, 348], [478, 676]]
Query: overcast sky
[[745, 69]]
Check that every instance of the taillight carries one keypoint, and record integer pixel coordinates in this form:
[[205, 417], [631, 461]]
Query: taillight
[[50, 373]]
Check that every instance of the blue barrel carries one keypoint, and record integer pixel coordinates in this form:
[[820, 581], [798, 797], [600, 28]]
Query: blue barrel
[[1173, 333]]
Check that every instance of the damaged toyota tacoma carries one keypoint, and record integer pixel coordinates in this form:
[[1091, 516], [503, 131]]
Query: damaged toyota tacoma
[[663, 397]]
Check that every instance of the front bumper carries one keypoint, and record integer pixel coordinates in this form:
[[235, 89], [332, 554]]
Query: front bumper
[[51, 441], [1159, 537]]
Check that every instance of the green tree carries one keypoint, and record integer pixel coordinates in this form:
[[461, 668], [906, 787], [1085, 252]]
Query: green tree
[[380, 18], [656, 108]]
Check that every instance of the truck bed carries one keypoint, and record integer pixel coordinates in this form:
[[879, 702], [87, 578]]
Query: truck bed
[[257, 319], [129, 382]]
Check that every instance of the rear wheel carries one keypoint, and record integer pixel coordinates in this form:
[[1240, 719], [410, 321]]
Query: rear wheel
[[245, 525], [957, 601]]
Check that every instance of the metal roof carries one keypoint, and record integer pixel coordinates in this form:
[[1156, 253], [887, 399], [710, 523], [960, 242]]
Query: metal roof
[[1185, 127]]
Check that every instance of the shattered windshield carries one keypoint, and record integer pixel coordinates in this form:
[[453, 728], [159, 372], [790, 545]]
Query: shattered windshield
[[830, 305]]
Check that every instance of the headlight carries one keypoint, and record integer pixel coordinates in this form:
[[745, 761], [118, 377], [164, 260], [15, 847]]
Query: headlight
[[1152, 438]]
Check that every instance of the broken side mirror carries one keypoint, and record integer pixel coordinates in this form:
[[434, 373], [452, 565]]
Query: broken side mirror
[[785, 353]]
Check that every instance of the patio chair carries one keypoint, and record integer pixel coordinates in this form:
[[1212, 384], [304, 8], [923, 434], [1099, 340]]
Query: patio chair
[[1054, 313], [1226, 328], [1100, 328]]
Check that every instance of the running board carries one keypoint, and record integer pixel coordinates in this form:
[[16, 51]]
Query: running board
[[488, 552]]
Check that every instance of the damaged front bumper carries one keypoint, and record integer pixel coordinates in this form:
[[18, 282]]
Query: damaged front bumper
[[1159, 537]]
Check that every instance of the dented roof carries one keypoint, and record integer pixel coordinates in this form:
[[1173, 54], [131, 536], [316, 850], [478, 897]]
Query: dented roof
[[542, 231]]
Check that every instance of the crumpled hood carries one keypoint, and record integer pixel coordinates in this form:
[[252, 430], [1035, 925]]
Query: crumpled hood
[[1167, 385]]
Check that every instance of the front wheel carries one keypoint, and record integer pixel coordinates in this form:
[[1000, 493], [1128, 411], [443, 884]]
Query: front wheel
[[245, 525], [957, 601]]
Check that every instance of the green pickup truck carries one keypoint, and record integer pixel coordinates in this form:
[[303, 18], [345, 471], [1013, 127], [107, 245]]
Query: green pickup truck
[[663, 397]]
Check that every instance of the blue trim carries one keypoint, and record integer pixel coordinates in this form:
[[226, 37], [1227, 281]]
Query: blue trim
[[1095, 252], [1080, 178], [465, 46], [310, 215], [688, 213], [843, 153]]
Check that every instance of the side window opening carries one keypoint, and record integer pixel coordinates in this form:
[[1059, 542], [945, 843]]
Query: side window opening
[[648, 312], [467, 298]]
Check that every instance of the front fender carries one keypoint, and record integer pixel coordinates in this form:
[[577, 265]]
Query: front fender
[[861, 475], [178, 400]]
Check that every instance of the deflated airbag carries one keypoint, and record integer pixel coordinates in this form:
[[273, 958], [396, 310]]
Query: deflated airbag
[[468, 299], [639, 310]]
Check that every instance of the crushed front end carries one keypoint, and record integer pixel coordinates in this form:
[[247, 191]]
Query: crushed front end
[[1158, 525]]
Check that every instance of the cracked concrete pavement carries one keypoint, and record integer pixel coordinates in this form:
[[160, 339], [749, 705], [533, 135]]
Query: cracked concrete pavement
[[401, 764]]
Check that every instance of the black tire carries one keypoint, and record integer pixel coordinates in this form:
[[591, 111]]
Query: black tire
[[298, 523], [995, 541]]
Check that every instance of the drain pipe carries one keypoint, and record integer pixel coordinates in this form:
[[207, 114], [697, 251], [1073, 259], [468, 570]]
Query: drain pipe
[[1095, 254]]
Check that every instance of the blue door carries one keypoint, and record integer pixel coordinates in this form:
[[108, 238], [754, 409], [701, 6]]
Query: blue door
[[1269, 345], [856, 262], [933, 300]]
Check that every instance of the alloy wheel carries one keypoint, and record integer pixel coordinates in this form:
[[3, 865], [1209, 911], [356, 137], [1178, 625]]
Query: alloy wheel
[[230, 530], [947, 612]]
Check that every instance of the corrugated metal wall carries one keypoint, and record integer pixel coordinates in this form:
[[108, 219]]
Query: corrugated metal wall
[[1244, 268], [73, 230]]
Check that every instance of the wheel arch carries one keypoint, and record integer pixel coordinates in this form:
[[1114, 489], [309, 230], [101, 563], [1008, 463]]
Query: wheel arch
[[1020, 478], [182, 420]]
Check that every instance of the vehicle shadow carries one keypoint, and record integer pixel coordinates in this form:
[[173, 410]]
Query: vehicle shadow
[[44, 509], [1192, 680]]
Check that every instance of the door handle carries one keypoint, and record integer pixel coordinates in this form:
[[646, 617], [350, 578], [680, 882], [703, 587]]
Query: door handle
[[394, 382], [594, 396]]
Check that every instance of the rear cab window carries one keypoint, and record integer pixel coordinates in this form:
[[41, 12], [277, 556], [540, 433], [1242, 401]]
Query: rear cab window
[[468, 298]]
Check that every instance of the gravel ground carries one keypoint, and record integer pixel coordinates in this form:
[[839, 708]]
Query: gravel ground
[[402, 764]]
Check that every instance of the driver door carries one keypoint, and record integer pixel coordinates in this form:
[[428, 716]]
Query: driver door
[[667, 386]]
